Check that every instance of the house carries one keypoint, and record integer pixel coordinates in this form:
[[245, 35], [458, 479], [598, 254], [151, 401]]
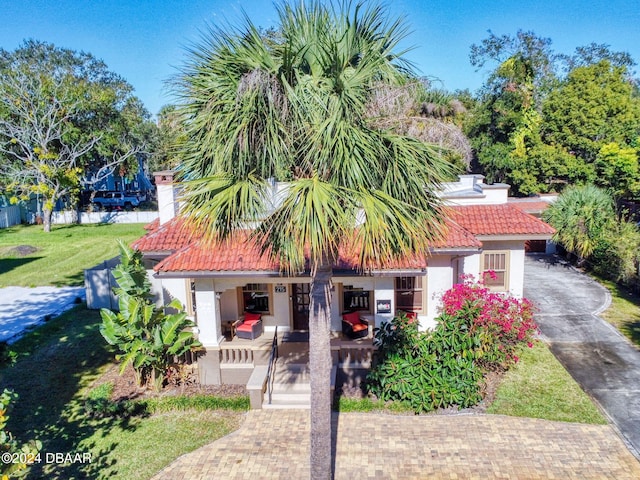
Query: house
[[220, 285]]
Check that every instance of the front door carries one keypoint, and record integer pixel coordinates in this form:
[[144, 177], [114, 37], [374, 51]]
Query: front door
[[300, 304]]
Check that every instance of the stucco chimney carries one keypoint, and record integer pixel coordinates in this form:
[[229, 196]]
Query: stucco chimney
[[166, 192]]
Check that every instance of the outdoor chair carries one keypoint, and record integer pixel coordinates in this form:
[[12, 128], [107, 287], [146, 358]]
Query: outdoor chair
[[250, 327], [353, 326]]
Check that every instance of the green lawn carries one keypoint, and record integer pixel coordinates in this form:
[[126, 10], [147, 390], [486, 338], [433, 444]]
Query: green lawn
[[624, 312], [57, 365], [61, 256], [539, 387]]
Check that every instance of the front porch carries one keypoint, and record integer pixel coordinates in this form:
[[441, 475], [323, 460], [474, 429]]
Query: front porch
[[246, 362]]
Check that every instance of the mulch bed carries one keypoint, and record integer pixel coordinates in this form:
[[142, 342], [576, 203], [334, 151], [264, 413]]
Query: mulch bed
[[125, 387], [22, 250]]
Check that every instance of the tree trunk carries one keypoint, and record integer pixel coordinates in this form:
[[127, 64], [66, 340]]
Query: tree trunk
[[320, 369], [47, 213]]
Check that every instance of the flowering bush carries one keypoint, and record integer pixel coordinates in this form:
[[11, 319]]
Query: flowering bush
[[503, 322], [477, 331], [425, 370]]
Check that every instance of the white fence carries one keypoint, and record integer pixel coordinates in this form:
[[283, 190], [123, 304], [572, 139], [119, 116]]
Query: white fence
[[70, 216], [9, 216]]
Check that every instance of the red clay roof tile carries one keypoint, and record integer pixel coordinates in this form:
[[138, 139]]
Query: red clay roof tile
[[168, 238], [502, 219], [188, 254]]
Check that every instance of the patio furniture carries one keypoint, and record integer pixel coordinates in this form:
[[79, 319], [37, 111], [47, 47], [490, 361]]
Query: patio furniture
[[249, 327], [353, 326]]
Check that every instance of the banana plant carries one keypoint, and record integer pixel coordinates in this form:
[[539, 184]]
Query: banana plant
[[147, 338]]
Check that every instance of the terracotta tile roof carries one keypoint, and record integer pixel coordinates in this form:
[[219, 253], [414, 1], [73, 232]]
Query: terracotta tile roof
[[237, 256], [150, 227], [503, 220], [537, 206], [166, 238], [457, 237], [240, 255], [186, 253]]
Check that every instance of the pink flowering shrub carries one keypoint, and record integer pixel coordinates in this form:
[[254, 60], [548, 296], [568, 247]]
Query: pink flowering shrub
[[503, 323]]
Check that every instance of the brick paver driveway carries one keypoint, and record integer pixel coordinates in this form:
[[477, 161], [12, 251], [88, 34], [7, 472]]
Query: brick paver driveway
[[274, 444]]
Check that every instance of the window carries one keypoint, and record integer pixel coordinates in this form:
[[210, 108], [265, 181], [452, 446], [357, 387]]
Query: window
[[256, 298], [355, 299], [494, 270], [410, 294]]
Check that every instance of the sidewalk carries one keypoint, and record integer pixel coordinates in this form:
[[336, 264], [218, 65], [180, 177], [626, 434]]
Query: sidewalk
[[22, 307], [275, 445]]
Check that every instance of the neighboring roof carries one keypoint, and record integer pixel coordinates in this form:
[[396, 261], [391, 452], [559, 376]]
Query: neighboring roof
[[533, 206], [502, 220], [465, 228]]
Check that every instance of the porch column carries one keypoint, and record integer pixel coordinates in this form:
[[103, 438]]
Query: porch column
[[208, 314]]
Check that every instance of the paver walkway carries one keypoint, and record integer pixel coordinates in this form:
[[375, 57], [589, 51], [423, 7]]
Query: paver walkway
[[275, 445]]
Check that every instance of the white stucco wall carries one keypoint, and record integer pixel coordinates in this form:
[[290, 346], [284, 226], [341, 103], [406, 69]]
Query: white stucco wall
[[174, 288], [439, 279]]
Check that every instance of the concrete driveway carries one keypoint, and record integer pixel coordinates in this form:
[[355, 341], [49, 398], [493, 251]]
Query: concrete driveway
[[22, 307], [599, 358]]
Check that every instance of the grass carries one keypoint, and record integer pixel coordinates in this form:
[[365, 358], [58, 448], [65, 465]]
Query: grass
[[539, 387], [366, 404], [624, 312], [56, 367], [62, 255]]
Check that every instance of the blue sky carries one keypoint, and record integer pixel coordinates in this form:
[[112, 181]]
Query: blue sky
[[144, 41]]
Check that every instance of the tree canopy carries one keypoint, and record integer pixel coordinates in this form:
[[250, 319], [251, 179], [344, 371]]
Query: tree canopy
[[62, 114], [540, 130]]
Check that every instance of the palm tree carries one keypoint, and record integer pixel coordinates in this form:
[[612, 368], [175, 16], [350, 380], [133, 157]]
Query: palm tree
[[582, 215], [294, 108]]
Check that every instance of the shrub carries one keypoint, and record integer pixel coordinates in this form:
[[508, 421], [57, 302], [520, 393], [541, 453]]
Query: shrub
[[148, 338], [16, 463], [425, 371], [477, 331], [502, 322]]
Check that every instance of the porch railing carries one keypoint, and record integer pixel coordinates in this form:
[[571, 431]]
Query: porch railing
[[236, 355], [360, 356], [273, 357]]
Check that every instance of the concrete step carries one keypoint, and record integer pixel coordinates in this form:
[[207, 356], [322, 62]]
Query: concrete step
[[300, 388], [281, 400]]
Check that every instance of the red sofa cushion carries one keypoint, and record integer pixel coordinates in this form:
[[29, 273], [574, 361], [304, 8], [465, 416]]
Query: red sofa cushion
[[245, 327], [248, 316], [359, 327], [352, 318]]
